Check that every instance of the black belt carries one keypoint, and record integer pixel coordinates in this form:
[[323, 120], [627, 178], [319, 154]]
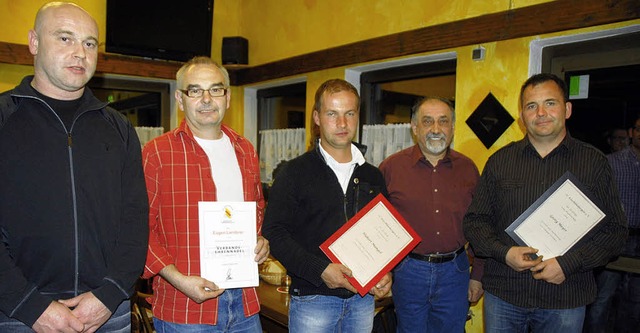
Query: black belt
[[437, 258]]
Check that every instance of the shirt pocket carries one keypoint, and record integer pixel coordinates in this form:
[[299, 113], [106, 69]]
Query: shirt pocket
[[510, 192], [365, 192], [510, 184]]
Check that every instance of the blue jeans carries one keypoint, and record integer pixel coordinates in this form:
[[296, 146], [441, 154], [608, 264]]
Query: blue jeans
[[230, 318], [597, 315], [119, 322], [430, 297], [330, 314], [504, 317]]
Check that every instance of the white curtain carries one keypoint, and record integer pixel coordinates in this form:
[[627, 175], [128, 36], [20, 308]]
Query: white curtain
[[146, 134], [384, 140], [278, 145]]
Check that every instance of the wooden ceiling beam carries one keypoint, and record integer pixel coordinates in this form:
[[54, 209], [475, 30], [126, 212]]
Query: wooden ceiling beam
[[18, 54]]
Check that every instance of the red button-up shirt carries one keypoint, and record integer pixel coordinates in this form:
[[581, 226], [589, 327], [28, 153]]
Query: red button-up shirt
[[178, 175], [433, 199]]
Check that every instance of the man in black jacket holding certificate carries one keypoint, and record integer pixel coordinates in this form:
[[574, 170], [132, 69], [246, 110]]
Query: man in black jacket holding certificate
[[543, 295], [313, 196]]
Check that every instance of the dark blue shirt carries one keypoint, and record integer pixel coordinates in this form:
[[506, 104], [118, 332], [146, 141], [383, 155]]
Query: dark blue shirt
[[626, 170]]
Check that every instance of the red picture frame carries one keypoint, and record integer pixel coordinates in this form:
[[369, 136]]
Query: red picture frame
[[380, 199]]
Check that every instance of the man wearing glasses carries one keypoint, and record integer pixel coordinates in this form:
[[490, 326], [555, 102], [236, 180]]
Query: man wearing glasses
[[431, 186], [201, 160], [618, 139]]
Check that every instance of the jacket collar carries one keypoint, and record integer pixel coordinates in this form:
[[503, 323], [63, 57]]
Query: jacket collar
[[361, 147]]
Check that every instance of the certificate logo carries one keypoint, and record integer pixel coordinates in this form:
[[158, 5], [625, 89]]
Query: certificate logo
[[228, 214]]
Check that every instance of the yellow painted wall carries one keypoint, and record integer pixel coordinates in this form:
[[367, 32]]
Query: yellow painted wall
[[11, 75], [303, 26], [17, 17], [503, 70], [234, 117], [442, 86]]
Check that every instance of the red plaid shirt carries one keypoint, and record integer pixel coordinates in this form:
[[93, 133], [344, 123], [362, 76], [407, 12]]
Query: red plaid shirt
[[178, 175]]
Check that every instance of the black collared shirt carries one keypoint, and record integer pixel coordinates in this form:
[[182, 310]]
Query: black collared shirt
[[513, 178]]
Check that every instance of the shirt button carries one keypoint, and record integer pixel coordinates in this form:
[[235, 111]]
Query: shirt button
[[437, 211], [435, 190], [437, 233]]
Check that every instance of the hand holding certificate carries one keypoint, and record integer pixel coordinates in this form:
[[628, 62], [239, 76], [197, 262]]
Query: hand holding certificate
[[227, 243], [558, 219], [371, 243]]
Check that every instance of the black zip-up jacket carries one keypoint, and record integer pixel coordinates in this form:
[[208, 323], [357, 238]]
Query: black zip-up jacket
[[73, 204], [306, 206]]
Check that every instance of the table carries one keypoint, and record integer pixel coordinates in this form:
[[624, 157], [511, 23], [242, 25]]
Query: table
[[274, 308], [626, 264]]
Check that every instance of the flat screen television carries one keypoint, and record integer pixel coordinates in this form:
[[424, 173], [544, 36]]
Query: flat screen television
[[153, 29]]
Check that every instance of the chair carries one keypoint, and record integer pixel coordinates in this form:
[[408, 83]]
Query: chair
[[141, 317], [385, 320]]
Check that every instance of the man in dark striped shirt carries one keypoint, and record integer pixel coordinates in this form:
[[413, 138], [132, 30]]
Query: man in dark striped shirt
[[524, 294]]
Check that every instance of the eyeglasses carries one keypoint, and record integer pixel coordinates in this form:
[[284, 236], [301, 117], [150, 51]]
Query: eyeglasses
[[197, 92]]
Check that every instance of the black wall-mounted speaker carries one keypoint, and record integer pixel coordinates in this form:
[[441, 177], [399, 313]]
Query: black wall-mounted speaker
[[235, 51]]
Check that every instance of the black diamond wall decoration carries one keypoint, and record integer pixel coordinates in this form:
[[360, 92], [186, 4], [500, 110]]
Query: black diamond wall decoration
[[489, 120]]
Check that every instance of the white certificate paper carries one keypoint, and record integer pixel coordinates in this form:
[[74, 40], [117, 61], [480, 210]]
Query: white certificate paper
[[558, 220], [228, 238], [371, 243]]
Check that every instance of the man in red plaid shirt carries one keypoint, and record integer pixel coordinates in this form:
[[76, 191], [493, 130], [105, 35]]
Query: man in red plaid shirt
[[201, 160]]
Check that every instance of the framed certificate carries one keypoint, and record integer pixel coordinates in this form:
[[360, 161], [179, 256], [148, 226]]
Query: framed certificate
[[554, 223], [371, 243], [228, 238]]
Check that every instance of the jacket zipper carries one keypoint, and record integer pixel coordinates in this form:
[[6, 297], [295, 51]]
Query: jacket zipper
[[76, 278], [344, 206], [356, 195], [75, 211]]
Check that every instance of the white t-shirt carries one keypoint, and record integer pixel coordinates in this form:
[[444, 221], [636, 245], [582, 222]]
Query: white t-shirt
[[224, 168], [343, 171]]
